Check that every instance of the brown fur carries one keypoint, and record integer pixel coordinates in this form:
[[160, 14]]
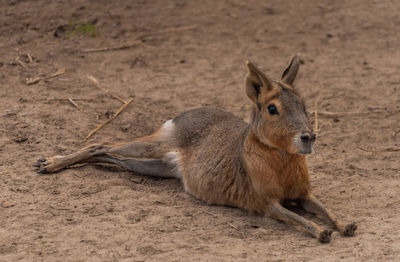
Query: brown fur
[[223, 160]]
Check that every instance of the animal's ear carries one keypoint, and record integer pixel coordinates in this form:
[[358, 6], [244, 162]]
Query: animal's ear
[[256, 82], [290, 73]]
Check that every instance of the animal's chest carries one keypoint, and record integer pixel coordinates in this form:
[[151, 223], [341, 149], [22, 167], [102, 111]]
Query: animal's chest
[[294, 182], [281, 180]]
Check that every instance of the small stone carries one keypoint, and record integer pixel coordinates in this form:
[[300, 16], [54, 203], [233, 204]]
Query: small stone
[[137, 180], [125, 127], [6, 204]]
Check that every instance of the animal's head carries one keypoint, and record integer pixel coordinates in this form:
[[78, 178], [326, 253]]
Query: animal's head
[[279, 117]]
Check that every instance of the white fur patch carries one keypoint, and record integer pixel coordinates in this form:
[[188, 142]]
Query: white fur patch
[[167, 129], [297, 141], [174, 158]]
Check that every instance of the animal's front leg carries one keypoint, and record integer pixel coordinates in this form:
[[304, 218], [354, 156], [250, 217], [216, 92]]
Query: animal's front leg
[[312, 205], [277, 211]]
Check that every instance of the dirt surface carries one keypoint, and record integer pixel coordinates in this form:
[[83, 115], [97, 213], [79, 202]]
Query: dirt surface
[[180, 55]]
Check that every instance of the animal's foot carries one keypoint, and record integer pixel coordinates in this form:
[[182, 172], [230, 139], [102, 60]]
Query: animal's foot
[[49, 165], [350, 229], [325, 236]]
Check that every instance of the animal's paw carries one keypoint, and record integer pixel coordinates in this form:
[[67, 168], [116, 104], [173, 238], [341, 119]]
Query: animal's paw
[[48, 165], [325, 236], [350, 229]]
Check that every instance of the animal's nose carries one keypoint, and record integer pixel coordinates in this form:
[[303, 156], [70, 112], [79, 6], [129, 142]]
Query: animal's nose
[[305, 138]]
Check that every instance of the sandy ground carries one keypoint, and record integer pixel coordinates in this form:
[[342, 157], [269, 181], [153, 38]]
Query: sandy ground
[[182, 55]]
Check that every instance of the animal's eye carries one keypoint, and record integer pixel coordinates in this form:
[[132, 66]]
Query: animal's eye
[[272, 110]]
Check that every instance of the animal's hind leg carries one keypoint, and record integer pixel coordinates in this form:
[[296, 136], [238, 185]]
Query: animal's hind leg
[[153, 147], [150, 167], [56, 163]]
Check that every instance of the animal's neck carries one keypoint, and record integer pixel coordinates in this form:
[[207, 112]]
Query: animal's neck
[[274, 173], [276, 158]]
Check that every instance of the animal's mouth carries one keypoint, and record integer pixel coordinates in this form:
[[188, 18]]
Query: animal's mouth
[[303, 146], [305, 150]]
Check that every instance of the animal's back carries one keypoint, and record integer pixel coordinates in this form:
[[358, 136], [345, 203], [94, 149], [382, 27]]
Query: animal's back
[[198, 124], [210, 141]]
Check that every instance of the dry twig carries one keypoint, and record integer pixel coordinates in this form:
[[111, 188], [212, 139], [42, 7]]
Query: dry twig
[[67, 99], [237, 229], [349, 114], [208, 213], [96, 82], [104, 49], [389, 149], [232, 225], [58, 208], [21, 63], [74, 104], [138, 40], [109, 120], [29, 57], [167, 31], [35, 80], [316, 117]]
